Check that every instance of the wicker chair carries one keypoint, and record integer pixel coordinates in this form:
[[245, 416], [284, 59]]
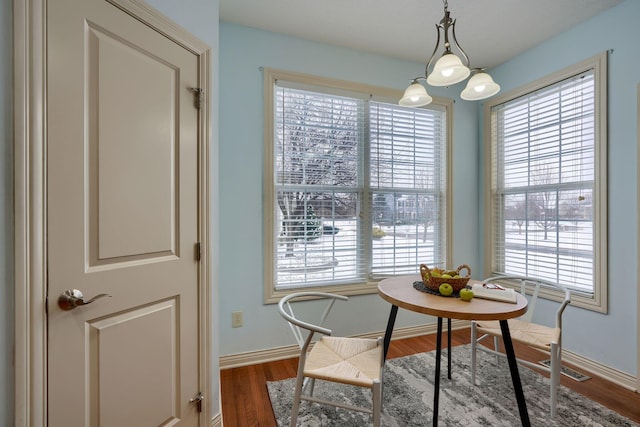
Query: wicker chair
[[541, 337], [353, 361]]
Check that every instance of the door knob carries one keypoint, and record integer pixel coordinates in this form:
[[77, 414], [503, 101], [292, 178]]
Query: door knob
[[71, 298]]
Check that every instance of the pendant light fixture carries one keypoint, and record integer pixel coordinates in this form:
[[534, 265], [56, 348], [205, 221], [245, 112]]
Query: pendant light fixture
[[449, 69]]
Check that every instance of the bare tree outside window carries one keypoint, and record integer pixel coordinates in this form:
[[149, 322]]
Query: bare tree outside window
[[542, 205], [347, 203], [315, 150]]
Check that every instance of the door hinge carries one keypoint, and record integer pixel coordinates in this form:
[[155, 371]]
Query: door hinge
[[197, 400], [197, 252], [199, 96]]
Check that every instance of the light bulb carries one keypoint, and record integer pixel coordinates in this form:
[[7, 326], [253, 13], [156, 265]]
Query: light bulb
[[415, 95], [480, 86], [448, 70], [447, 73]]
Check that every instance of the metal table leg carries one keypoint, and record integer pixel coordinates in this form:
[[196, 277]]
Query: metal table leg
[[390, 323], [515, 375], [449, 348], [436, 389]]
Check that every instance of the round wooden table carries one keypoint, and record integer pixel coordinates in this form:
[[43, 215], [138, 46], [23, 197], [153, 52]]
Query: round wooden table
[[399, 291]]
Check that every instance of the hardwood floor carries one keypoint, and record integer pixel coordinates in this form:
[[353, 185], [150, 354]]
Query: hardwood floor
[[245, 401]]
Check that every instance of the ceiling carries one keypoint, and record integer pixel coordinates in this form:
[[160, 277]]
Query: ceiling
[[490, 31]]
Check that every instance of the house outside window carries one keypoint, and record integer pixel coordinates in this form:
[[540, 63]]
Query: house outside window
[[547, 211], [355, 185]]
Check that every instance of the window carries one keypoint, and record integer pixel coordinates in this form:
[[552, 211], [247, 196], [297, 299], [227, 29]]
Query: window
[[355, 185], [548, 180]]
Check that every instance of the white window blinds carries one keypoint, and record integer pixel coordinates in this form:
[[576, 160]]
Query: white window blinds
[[319, 188], [543, 180], [358, 187], [407, 152]]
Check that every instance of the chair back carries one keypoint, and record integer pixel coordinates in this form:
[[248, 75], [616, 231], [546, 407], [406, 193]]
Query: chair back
[[286, 308], [532, 285]]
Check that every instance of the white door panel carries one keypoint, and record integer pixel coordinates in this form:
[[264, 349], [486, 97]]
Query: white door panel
[[122, 362], [122, 176], [136, 102]]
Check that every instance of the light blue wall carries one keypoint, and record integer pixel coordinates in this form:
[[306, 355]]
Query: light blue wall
[[6, 214], [243, 51], [200, 18], [609, 339]]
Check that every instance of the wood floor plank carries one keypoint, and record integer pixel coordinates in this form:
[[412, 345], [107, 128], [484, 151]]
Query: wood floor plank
[[245, 400]]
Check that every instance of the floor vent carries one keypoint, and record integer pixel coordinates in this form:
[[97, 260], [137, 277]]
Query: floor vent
[[574, 375]]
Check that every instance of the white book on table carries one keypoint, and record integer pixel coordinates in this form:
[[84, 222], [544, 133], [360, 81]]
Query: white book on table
[[506, 295]]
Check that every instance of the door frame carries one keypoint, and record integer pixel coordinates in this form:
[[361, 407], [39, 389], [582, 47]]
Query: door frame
[[30, 196], [638, 244]]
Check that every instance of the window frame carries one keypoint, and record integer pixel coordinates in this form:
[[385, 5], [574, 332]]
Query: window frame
[[270, 76], [598, 301]]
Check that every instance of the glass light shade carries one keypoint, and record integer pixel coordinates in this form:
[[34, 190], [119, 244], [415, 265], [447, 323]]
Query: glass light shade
[[480, 86], [448, 70], [415, 96]]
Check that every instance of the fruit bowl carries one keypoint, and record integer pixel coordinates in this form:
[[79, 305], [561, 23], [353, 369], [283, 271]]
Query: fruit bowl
[[432, 279]]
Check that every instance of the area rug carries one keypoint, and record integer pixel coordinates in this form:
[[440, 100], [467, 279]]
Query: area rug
[[408, 397]]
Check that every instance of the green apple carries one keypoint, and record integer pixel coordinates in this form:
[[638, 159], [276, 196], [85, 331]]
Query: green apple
[[466, 294], [445, 289], [446, 276]]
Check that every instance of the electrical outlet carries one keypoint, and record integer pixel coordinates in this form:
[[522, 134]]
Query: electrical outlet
[[236, 319]]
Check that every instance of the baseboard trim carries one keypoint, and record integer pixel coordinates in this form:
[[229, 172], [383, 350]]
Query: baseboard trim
[[288, 352], [620, 378]]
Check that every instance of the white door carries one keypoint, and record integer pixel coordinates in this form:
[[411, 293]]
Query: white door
[[122, 181]]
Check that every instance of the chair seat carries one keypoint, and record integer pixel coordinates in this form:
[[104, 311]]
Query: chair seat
[[538, 336], [522, 330], [354, 361]]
